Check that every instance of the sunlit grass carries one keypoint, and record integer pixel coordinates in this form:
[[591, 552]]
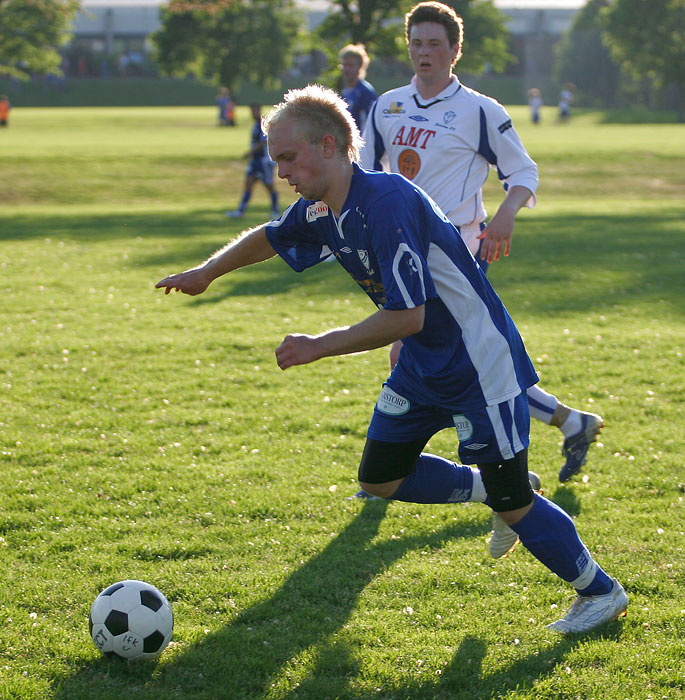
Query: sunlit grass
[[154, 437]]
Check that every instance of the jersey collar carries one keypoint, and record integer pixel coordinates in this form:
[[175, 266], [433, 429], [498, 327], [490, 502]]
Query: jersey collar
[[451, 90]]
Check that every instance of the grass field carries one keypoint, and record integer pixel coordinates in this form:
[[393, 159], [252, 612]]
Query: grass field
[[154, 437]]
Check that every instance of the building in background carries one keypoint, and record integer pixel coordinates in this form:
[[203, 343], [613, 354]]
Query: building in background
[[111, 37]]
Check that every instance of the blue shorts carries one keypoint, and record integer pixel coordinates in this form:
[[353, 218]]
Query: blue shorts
[[262, 169], [486, 435]]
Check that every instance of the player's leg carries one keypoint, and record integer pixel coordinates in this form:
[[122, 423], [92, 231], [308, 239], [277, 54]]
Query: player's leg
[[268, 180], [394, 466], [580, 428], [250, 180], [544, 528], [402, 472]]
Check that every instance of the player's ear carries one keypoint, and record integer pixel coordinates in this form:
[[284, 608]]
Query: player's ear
[[456, 48], [328, 145]]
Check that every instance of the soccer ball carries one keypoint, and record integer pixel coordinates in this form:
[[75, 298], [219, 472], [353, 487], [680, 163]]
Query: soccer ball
[[131, 620]]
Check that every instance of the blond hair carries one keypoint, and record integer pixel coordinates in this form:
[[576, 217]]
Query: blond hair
[[357, 51], [318, 111]]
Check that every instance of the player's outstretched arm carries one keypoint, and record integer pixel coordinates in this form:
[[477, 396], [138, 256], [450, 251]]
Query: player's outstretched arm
[[251, 247], [497, 235], [376, 331]]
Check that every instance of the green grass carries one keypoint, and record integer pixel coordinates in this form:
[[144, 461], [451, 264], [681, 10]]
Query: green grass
[[154, 437]]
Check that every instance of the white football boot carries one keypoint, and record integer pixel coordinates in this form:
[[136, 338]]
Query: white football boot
[[590, 611], [503, 538]]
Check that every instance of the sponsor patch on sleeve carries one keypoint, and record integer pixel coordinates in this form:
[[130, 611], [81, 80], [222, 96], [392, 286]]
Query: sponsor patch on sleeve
[[503, 127]]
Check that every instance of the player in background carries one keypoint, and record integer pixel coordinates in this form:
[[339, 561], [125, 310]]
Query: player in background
[[259, 167], [428, 291], [224, 102], [4, 110], [445, 137], [357, 92], [565, 100], [535, 104]]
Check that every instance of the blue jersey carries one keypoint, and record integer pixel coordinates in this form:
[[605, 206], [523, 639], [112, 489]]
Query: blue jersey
[[260, 165], [403, 252], [360, 99], [258, 138]]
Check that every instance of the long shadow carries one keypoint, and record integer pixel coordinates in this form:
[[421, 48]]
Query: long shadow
[[242, 658]]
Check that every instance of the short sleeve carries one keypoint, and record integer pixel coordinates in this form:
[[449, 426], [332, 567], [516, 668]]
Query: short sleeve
[[299, 242]]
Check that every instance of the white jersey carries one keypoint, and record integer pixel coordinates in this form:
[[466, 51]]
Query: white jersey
[[446, 146]]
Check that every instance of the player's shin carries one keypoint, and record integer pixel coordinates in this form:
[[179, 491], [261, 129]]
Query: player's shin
[[550, 535]]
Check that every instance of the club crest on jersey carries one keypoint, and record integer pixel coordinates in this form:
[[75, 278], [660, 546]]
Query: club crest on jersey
[[364, 257], [464, 427], [316, 211], [447, 117], [395, 108], [409, 163], [418, 118], [391, 403]]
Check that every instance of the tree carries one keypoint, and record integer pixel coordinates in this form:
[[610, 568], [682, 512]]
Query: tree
[[228, 41], [648, 40], [583, 58], [31, 32], [379, 24]]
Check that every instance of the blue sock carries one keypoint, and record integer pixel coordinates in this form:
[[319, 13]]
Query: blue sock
[[243, 202], [437, 480], [274, 200], [549, 534]]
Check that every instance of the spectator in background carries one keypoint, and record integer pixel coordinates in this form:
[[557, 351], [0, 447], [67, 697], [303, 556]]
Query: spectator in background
[[259, 167], [226, 106], [357, 92], [4, 110], [535, 103]]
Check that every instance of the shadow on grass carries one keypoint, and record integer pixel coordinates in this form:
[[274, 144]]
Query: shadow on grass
[[293, 634], [603, 259]]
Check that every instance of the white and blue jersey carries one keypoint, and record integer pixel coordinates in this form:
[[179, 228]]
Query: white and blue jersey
[[360, 99], [403, 252], [447, 146]]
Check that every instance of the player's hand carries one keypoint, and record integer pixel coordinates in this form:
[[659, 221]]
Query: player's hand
[[191, 282], [297, 350], [497, 235]]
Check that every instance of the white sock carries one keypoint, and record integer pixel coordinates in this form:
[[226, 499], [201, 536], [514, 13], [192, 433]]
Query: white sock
[[478, 493], [541, 404], [572, 425]]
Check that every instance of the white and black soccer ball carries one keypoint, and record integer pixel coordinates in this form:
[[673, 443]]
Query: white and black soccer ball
[[132, 620]]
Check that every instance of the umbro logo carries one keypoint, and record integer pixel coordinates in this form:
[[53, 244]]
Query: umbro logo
[[475, 446], [418, 118]]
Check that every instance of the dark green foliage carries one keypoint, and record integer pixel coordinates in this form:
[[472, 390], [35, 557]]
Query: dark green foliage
[[228, 43], [30, 33]]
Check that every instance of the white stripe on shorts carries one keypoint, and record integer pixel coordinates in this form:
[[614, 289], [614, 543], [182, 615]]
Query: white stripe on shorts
[[508, 448]]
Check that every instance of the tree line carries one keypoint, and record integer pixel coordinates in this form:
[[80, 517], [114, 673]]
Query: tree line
[[615, 50]]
